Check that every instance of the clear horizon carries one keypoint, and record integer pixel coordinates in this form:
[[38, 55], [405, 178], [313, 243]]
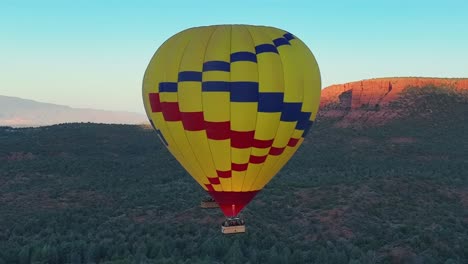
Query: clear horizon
[[93, 55]]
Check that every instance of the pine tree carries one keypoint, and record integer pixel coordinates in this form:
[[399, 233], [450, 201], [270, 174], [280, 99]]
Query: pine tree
[[285, 255], [141, 253], [75, 257], [24, 255], [273, 255], [234, 255], [53, 256], [92, 253], [253, 255], [297, 257]]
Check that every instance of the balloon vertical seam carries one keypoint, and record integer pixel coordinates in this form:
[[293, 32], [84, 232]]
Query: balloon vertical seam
[[256, 118], [204, 124]]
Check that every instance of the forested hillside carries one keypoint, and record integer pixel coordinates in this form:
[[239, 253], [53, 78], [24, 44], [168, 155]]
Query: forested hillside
[[396, 193]]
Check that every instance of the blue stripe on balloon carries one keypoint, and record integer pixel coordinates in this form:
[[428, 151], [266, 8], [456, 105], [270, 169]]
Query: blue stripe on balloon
[[243, 56], [289, 36], [262, 48], [307, 129], [303, 120], [270, 102], [291, 112], [167, 87], [216, 86], [216, 66], [281, 41], [244, 92], [190, 76]]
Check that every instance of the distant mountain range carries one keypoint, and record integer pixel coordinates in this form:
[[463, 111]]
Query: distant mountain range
[[18, 112]]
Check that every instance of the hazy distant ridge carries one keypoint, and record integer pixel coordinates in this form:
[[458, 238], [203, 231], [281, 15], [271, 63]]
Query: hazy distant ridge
[[18, 112]]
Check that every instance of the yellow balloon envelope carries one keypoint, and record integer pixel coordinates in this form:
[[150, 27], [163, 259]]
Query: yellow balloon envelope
[[232, 103]]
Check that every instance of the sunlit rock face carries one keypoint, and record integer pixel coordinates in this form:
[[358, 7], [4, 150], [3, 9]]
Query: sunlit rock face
[[367, 101]]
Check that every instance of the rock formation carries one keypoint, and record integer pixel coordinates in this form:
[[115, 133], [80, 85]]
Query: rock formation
[[367, 101]]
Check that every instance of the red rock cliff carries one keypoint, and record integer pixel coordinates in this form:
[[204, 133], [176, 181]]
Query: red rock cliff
[[350, 100]]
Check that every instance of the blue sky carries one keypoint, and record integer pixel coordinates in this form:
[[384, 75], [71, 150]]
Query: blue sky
[[94, 53]]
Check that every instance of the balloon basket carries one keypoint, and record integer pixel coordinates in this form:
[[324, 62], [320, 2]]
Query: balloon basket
[[233, 226]]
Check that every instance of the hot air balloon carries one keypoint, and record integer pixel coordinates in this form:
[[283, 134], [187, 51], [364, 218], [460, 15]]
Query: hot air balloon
[[232, 103]]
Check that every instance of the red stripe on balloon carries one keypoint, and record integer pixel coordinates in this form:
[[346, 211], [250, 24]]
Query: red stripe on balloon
[[224, 174], [209, 187], [214, 180], [231, 203], [257, 159], [171, 111], [276, 151], [241, 139], [218, 130], [193, 121], [258, 143], [293, 142], [239, 167], [155, 102]]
